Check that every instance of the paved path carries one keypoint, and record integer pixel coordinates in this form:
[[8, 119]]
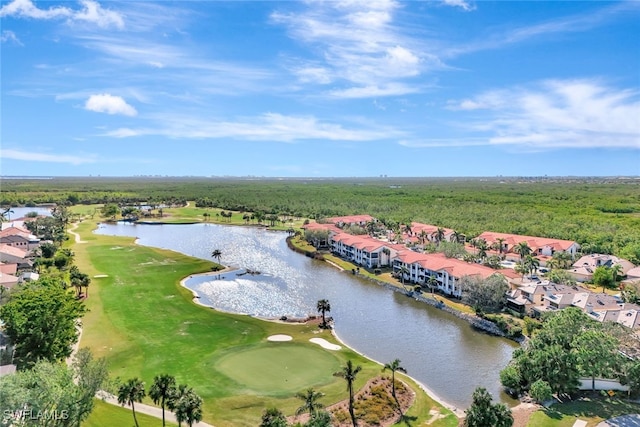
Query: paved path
[[146, 409], [632, 420], [76, 235]]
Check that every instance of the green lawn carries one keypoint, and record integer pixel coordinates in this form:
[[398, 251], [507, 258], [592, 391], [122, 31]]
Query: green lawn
[[280, 368], [145, 324], [105, 414], [592, 411]]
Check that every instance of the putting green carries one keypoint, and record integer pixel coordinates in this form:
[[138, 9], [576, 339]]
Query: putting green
[[278, 369]]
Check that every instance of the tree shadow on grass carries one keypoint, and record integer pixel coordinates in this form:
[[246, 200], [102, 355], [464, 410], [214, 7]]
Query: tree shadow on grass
[[406, 419], [594, 406]]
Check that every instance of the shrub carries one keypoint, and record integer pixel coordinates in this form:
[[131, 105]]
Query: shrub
[[540, 391]]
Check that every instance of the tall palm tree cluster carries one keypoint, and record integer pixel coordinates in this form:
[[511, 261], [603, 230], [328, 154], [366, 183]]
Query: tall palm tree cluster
[[182, 400], [273, 417]]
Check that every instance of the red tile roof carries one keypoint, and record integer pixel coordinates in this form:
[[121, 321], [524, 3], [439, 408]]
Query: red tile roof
[[366, 243], [318, 226], [439, 262], [15, 231], [417, 228], [10, 250], [533, 242], [350, 219]]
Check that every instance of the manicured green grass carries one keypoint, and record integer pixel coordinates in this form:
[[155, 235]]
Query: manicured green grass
[[146, 324], [105, 414], [592, 411], [279, 369]]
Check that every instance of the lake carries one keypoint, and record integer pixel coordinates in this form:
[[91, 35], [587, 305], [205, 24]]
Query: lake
[[437, 348]]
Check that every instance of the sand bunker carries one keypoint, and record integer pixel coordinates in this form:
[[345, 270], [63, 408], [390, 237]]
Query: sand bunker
[[325, 344], [279, 338]]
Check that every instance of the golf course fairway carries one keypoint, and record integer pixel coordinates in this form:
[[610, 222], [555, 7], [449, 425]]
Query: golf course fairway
[[145, 324]]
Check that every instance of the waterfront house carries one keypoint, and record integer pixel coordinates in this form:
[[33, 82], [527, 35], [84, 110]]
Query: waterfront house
[[362, 250], [447, 271], [541, 247]]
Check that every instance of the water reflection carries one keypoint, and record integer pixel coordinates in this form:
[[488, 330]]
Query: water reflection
[[437, 348]]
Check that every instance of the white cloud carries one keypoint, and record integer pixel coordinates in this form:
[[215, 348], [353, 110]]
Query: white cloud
[[462, 4], [94, 13], [267, 127], [443, 142], [10, 36], [31, 156], [90, 11], [313, 74], [566, 24], [110, 104], [26, 9], [393, 89], [559, 113], [357, 45]]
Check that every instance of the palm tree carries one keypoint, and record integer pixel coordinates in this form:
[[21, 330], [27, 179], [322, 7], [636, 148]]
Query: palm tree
[[439, 235], [273, 417], [616, 269], [349, 373], [5, 215], [432, 282], [174, 401], [393, 367], [402, 271], [387, 252], [85, 281], [217, 254], [531, 264], [130, 392], [499, 244], [522, 249], [520, 268], [457, 237], [310, 399], [370, 227], [423, 236], [561, 260], [259, 216], [161, 390], [190, 408], [482, 249], [323, 306]]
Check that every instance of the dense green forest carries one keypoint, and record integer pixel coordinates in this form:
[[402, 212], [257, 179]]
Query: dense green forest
[[601, 214]]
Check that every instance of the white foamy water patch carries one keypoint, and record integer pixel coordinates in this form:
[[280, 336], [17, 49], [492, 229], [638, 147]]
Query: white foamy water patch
[[254, 297]]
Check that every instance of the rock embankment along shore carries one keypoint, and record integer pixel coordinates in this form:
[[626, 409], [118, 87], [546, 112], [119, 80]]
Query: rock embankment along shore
[[479, 323]]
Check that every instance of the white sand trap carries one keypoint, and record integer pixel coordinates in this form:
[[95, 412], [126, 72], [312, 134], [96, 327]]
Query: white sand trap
[[279, 338], [100, 276], [325, 344]]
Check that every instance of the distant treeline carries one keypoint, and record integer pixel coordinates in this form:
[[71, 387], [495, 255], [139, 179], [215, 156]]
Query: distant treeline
[[603, 215]]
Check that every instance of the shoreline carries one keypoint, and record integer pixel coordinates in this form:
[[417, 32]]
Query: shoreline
[[196, 299], [456, 411]]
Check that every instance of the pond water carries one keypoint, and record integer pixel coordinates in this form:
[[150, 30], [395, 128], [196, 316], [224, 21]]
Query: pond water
[[437, 349], [16, 213]]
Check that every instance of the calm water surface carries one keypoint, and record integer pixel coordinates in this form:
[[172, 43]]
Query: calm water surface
[[436, 348]]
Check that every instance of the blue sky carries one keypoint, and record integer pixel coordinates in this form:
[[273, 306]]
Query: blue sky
[[313, 88]]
